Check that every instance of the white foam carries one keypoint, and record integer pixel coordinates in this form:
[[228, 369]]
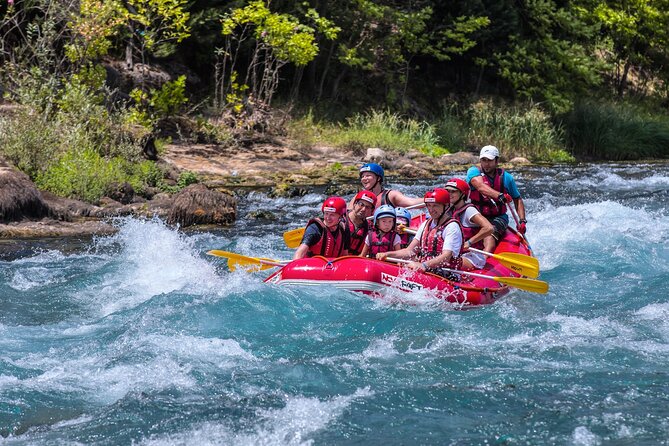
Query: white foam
[[582, 436], [154, 260], [291, 425]]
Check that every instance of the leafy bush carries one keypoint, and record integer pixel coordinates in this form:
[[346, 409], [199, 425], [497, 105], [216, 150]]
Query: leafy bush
[[616, 132], [158, 104]]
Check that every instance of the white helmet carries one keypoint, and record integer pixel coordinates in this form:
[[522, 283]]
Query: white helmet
[[489, 152]]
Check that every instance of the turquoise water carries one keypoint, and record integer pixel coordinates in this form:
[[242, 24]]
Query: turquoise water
[[140, 338]]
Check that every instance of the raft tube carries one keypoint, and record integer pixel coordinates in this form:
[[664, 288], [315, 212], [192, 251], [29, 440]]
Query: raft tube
[[373, 277]]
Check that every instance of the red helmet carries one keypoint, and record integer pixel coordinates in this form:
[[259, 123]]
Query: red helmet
[[334, 204], [437, 195], [458, 184], [365, 195]]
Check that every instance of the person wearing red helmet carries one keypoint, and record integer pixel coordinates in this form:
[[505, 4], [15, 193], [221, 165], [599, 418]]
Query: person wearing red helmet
[[358, 226], [491, 188], [438, 240], [475, 227], [328, 236], [371, 178]]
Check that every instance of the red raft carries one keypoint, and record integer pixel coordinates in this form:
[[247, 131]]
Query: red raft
[[371, 276]]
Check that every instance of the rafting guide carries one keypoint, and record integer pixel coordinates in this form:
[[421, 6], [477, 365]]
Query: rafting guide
[[491, 189]]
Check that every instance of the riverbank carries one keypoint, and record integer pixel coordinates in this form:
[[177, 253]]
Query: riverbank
[[225, 173]]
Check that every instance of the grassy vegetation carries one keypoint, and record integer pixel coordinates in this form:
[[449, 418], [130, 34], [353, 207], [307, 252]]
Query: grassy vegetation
[[70, 142], [616, 132], [517, 131]]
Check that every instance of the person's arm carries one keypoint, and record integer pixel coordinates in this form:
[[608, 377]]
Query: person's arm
[[350, 204], [301, 252], [365, 250], [312, 234], [486, 229], [484, 189], [400, 200], [404, 253], [520, 208]]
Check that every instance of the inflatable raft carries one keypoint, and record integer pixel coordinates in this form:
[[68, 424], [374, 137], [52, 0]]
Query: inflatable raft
[[371, 276]]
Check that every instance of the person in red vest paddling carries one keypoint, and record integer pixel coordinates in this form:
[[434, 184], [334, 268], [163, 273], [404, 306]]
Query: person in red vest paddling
[[327, 237], [438, 240], [475, 227], [491, 189], [356, 219]]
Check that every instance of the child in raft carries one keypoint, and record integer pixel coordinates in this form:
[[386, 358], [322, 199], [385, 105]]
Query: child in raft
[[384, 237], [402, 221]]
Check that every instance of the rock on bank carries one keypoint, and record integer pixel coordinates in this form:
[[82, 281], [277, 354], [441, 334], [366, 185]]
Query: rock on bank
[[26, 212]]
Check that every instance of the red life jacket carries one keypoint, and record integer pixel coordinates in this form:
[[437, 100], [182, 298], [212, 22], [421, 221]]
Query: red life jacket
[[432, 243], [489, 207], [405, 239], [467, 233], [380, 242], [357, 236], [330, 245]]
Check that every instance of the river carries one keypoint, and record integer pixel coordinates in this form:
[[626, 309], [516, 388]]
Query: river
[[140, 338]]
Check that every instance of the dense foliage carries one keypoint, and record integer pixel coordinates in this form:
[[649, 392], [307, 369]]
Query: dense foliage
[[531, 76]]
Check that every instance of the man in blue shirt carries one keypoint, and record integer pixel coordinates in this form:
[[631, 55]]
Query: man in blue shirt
[[491, 188]]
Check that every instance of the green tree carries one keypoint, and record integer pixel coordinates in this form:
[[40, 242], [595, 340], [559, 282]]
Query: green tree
[[276, 40], [552, 57], [384, 39], [638, 32]]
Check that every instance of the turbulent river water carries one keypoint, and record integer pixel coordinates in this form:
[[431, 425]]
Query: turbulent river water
[[140, 338]]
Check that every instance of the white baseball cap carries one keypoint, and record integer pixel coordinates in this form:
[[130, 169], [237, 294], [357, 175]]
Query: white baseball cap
[[489, 152]]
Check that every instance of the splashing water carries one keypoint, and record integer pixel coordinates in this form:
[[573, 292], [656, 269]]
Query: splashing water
[[141, 338]]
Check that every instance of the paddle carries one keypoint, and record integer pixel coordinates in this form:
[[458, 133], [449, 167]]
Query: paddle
[[531, 285], [514, 213], [247, 263], [293, 238], [520, 263]]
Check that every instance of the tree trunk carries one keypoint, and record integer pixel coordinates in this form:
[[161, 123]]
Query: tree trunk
[[622, 85], [325, 72]]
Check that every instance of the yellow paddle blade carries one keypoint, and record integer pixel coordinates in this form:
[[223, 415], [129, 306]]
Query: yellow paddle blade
[[520, 263], [293, 238], [245, 262], [531, 285]]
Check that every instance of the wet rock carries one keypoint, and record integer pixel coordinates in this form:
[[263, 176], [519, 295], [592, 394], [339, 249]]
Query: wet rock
[[261, 215], [124, 193], [341, 190], [198, 205], [459, 158], [67, 209], [55, 228], [19, 199], [284, 190]]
